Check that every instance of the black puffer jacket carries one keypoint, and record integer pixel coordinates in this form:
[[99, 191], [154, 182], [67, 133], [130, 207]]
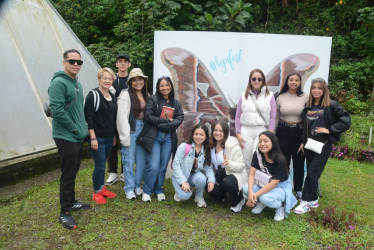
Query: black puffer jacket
[[336, 118], [154, 123]]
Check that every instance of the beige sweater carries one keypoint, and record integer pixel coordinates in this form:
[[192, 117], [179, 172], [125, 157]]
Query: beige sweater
[[290, 107]]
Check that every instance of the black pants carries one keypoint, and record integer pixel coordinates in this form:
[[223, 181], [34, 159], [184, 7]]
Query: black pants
[[70, 153], [289, 142], [113, 158], [229, 185], [315, 164]]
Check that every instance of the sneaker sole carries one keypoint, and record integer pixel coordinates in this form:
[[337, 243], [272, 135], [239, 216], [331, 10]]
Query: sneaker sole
[[70, 228], [65, 226], [111, 183], [300, 212]]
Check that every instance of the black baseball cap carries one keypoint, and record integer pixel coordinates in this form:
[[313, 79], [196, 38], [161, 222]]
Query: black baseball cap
[[123, 55]]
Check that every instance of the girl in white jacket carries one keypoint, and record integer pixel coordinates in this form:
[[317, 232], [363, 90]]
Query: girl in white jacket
[[130, 116], [229, 167], [256, 112]]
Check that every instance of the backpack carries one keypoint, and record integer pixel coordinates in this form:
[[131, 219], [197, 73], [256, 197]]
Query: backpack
[[47, 106], [96, 99], [187, 149]]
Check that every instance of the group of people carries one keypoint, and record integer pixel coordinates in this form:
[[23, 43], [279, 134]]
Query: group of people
[[270, 130]]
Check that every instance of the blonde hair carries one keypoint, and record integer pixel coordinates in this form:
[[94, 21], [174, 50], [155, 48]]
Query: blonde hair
[[108, 70], [325, 99]]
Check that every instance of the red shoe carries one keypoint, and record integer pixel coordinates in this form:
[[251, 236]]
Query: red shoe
[[107, 193], [99, 198]]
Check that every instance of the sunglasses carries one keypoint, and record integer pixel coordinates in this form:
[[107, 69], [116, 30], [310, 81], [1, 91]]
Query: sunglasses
[[259, 79], [73, 61]]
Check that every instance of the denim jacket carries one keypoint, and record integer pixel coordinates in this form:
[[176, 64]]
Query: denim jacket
[[182, 166]]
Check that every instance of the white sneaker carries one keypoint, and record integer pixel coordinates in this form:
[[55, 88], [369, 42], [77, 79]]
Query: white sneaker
[[122, 177], [113, 178], [302, 208], [258, 208], [200, 201], [279, 214], [176, 198], [138, 191], [161, 197], [314, 204], [130, 195], [146, 197], [238, 207]]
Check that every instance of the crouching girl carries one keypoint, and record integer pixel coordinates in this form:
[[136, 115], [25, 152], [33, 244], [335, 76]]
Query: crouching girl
[[192, 167], [278, 192]]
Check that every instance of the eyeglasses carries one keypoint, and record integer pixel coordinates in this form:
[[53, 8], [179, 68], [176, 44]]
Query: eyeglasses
[[259, 79], [73, 61]]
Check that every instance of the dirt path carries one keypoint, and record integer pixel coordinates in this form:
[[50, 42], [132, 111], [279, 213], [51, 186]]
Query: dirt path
[[45, 178]]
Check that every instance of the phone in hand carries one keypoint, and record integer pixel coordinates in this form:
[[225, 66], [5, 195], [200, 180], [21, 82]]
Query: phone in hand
[[300, 153]]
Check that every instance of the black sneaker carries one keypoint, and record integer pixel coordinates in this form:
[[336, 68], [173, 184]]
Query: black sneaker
[[79, 205], [67, 221]]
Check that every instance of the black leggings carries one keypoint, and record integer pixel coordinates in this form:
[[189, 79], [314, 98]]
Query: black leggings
[[229, 185]]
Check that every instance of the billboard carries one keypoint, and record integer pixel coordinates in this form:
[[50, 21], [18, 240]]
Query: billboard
[[210, 70]]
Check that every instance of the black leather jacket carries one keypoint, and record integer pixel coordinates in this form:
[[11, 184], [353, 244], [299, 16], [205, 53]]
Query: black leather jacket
[[154, 123], [336, 118]]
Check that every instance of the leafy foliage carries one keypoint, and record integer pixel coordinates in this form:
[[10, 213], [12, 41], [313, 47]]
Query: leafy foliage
[[108, 27]]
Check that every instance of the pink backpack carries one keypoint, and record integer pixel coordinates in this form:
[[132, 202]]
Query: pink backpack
[[187, 149]]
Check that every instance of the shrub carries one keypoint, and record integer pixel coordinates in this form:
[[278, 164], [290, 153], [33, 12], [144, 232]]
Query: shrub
[[346, 153], [332, 219]]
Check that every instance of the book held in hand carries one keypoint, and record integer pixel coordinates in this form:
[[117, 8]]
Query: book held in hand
[[167, 112]]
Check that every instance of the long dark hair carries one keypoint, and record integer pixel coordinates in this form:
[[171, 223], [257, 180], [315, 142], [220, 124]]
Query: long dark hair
[[135, 102], [275, 154], [285, 88], [226, 132], [206, 143], [171, 94]]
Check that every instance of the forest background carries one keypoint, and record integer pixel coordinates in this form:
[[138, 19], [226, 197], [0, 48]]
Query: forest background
[[108, 27]]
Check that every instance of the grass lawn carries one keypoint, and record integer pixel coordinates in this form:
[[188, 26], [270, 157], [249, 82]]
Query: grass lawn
[[30, 220]]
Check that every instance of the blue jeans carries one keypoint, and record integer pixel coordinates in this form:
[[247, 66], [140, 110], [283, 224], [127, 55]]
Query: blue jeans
[[197, 180], [134, 153], [157, 162], [273, 198], [100, 156]]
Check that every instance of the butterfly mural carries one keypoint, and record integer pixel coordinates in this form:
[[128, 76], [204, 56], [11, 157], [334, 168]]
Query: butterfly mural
[[202, 99]]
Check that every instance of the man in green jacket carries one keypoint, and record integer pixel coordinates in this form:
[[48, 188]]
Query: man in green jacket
[[69, 129]]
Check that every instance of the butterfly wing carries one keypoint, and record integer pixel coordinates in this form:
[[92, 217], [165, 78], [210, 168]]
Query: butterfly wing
[[201, 98], [303, 63]]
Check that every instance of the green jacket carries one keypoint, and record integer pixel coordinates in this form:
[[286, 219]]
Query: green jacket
[[69, 124]]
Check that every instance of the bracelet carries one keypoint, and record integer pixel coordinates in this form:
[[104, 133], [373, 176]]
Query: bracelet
[[92, 139]]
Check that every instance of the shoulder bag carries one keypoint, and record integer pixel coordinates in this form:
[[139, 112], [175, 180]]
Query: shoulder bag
[[262, 177]]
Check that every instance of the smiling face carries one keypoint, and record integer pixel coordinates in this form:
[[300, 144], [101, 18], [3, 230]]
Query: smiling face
[[293, 83], [199, 136], [218, 133], [265, 144], [106, 80], [165, 88], [257, 83], [316, 91], [137, 83], [72, 70]]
